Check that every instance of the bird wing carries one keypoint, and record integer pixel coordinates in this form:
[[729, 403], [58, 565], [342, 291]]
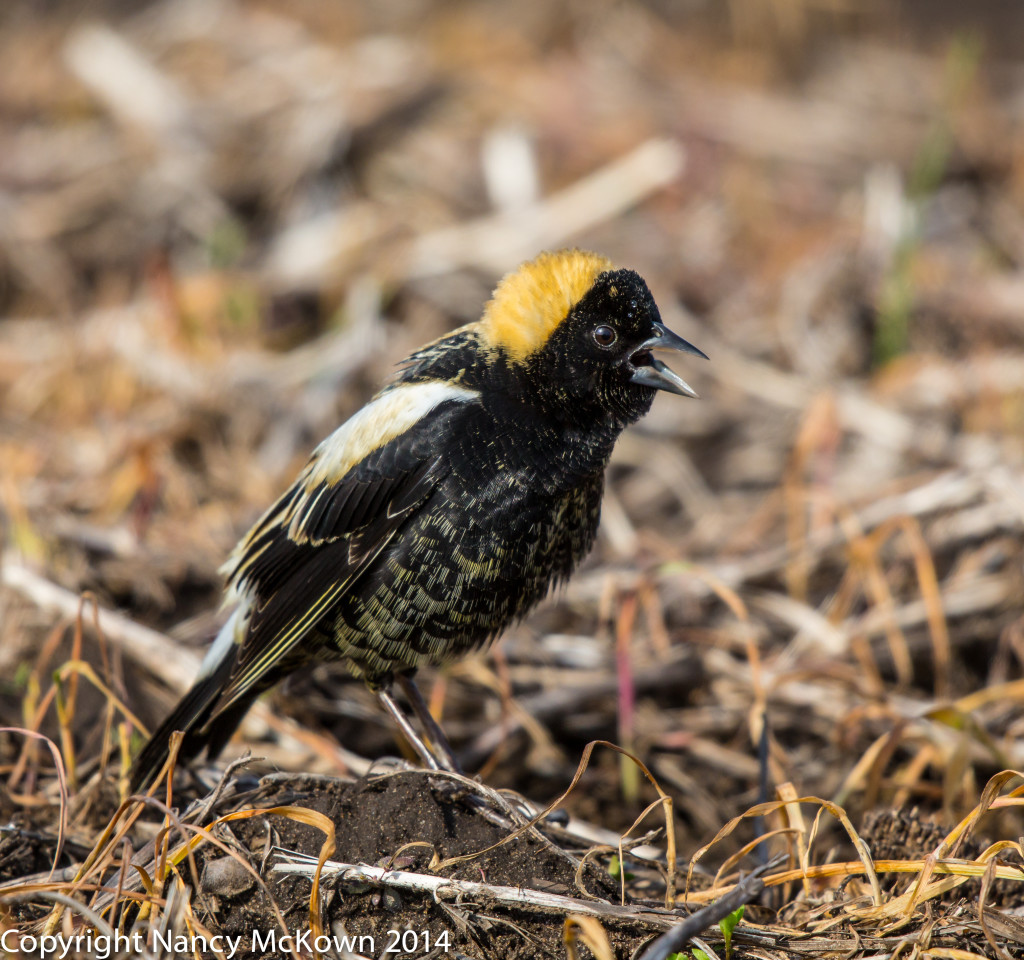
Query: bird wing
[[346, 506]]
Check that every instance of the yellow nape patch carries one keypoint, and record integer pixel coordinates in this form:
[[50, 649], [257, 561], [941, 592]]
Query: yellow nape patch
[[529, 304]]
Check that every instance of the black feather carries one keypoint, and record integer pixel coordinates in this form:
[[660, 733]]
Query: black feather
[[190, 715]]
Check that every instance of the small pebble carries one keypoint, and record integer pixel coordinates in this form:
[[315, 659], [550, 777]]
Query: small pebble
[[226, 877], [558, 818]]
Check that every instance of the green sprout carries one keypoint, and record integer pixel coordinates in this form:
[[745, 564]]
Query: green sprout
[[726, 925]]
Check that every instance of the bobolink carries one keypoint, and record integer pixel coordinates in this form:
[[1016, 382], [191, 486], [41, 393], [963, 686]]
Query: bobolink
[[447, 506]]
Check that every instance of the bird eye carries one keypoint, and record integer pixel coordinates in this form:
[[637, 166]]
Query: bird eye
[[605, 336]]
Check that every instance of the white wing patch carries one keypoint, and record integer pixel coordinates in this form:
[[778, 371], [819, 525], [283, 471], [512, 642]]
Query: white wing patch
[[387, 416], [230, 636], [390, 414]]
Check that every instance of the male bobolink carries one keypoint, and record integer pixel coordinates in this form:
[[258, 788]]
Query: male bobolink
[[447, 506]]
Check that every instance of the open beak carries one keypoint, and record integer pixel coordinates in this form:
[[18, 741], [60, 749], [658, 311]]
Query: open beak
[[651, 372]]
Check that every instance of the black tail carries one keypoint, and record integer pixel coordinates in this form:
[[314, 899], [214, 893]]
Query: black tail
[[196, 716]]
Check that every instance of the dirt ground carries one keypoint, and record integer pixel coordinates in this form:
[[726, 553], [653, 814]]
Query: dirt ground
[[222, 222]]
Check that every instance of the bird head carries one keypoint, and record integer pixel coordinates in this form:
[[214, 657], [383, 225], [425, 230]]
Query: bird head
[[581, 335]]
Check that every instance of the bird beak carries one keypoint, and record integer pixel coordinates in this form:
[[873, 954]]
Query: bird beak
[[651, 372]]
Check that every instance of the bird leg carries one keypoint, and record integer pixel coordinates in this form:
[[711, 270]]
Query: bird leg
[[414, 740], [443, 749]]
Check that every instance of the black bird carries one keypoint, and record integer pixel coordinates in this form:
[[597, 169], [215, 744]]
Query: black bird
[[446, 507]]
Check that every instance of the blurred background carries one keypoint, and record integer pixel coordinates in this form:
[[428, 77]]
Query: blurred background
[[222, 222]]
